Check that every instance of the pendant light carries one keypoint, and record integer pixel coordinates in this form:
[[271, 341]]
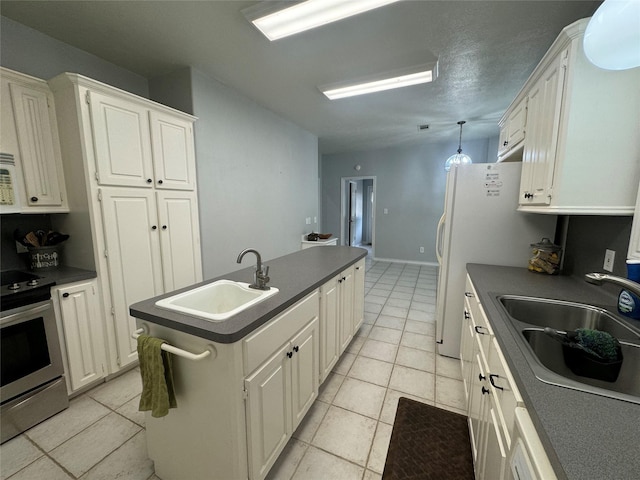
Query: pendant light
[[458, 158]]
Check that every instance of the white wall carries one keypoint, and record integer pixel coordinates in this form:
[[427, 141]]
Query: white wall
[[257, 177]]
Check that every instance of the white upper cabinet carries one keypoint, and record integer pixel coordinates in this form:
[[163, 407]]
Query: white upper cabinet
[[512, 131], [29, 132], [581, 147], [173, 152], [136, 146], [121, 141]]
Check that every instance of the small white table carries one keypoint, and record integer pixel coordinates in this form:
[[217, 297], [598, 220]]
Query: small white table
[[318, 243]]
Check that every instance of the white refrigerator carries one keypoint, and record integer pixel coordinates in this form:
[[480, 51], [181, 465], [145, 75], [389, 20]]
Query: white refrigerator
[[480, 224]]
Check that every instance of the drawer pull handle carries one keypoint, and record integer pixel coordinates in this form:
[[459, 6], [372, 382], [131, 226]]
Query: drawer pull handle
[[491, 377], [478, 328], [469, 294]]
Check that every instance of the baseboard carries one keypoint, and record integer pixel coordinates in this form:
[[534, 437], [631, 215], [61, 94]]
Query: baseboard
[[412, 262]]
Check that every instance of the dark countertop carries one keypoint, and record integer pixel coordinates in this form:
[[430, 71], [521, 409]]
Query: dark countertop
[[295, 275], [586, 436], [62, 274]]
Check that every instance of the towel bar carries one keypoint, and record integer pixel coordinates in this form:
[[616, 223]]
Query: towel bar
[[175, 350]]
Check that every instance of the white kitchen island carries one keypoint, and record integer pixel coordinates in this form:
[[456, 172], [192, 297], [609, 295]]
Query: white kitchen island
[[238, 407]]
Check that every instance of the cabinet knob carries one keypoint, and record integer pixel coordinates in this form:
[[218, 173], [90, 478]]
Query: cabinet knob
[[466, 315], [160, 182], [154, 227], [34, 199], [65, 295], [164, 227], [485, 390], [505, 143], [481, 377], [289, 354], [296, 348], [149, 180]]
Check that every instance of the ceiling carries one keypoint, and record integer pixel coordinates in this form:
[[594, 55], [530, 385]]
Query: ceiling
[[485, 52]]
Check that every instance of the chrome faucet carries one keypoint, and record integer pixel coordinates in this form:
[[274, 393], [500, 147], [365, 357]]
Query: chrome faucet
[[261, 274], [600, 278]]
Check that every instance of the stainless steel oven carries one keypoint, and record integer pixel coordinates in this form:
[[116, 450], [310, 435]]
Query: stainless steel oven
[[32, 374]]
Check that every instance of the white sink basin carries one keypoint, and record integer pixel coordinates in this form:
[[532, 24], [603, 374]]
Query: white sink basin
[[216, 301]]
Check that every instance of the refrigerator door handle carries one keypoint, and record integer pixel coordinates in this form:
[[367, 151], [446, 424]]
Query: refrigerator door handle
[[439, 239]]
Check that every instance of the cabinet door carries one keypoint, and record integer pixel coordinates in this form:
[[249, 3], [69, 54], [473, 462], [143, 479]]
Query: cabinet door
[[358, 295], [345, 287], [517, 121], [495, 455], [135, 272], [268, 412], [329, 327], [82, 331], [179, 239], [122, 145], [543, 123], [304, 372], [173, 152], [466, 348], [35, 130]]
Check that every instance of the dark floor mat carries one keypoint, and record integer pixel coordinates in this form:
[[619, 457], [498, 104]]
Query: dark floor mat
[[428, 443]]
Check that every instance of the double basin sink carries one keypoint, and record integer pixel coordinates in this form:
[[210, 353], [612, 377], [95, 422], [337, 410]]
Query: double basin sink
[[528, 317]]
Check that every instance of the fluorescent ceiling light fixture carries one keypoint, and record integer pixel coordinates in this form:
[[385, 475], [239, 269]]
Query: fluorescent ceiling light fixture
[[401, 78], [305, 15], [612, 38]]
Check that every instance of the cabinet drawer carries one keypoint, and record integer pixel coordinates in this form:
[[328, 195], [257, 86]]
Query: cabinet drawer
[[260, 345]]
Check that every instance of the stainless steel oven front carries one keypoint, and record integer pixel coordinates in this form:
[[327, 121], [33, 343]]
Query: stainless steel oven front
[[32, 382]]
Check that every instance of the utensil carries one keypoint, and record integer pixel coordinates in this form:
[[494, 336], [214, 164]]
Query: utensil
[[32, 239]]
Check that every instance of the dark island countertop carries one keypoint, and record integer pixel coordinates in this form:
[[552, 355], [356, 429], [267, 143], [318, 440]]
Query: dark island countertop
[[586, 436], [294, 275]]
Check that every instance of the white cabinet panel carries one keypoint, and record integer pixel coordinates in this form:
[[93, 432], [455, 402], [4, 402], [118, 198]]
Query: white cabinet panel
[[133, 255], [329, 327], [81, 321], [179, 238], [358, 295], [121, 141], [173, 152], [304, 372], [268, 412]]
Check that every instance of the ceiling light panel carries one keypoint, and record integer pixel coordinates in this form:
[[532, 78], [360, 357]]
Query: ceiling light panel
[[307, 15], [401, 78]]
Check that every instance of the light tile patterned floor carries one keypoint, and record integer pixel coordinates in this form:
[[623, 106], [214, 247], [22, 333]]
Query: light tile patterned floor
[[345, 435]]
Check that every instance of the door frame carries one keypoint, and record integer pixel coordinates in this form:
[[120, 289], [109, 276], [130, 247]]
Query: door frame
[[344, 204]]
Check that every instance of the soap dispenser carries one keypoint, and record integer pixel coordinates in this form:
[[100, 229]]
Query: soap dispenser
[[628, 303]]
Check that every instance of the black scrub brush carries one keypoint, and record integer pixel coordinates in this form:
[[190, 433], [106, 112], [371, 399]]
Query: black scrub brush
[[590, 353]]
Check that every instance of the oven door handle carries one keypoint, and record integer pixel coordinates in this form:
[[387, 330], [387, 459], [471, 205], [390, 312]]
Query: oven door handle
[[19, 314]]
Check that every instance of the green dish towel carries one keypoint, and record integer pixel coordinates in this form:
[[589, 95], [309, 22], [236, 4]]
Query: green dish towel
[[157, 377]]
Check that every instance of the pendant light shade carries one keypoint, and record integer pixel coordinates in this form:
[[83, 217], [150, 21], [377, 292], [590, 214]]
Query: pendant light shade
[[458, 158]]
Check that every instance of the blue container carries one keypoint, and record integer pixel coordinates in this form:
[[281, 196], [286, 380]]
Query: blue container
[[628, 303]]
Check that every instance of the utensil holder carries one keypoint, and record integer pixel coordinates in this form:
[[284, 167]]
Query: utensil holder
[[44, 258]]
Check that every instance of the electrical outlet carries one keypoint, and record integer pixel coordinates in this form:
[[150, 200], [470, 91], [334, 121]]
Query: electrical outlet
[[609, 257], [421, 249]]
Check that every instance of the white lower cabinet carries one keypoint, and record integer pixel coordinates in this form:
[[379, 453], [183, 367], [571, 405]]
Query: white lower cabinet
[[79, 320], [329, 327], [281, 390], [358, 292], [492, 396]]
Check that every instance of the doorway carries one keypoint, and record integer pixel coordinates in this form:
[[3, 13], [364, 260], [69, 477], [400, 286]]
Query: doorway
[[358, 212]]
